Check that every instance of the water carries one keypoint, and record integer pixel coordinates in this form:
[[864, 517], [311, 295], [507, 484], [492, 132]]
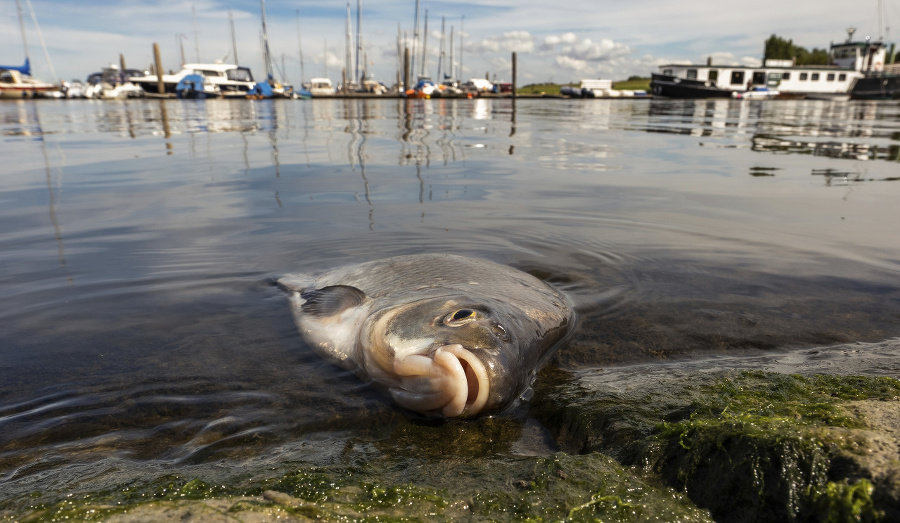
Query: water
[[140, 334]]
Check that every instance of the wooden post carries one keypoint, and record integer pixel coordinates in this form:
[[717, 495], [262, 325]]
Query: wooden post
[[160, 85], [514, 74]]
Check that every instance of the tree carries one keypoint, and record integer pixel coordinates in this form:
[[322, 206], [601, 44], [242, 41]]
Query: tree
[[778, 48]]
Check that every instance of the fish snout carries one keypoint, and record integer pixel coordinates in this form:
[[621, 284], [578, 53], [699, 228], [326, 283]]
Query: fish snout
[[450, 380]]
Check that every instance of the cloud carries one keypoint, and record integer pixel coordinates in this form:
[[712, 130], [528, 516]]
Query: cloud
[[518, 41], [574, 64]]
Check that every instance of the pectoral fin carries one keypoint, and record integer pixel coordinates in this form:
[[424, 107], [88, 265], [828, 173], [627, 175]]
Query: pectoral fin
[[330, 301]]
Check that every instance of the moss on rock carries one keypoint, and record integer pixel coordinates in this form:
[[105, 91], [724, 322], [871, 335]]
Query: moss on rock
[[748, 445]]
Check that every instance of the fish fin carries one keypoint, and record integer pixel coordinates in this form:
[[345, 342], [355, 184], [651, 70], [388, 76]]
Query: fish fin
[[296, 282], [332, 300]]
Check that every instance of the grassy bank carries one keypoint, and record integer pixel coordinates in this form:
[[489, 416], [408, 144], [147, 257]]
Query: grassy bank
[[551, 89]]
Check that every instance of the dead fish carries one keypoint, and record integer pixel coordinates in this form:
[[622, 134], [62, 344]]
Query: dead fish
[[444, 335]]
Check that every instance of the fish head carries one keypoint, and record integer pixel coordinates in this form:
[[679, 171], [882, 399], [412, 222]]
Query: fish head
[[448, 356]]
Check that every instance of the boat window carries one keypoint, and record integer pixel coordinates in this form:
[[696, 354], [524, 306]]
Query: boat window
[[667, 72], [830, 77], [786, 75], [737, 77], [713, 75], [691, 74], [241, 74], [815, 77], [804, 76], [7, 77], [842, 77]]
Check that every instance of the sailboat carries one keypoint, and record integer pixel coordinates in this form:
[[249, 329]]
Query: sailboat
[[16, 81]]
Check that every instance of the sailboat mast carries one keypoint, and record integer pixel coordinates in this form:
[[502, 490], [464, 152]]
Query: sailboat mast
[[300, 49], [349, 58], [196, 35], [452, 65], [359, 50], [233, 41], [267, 57], [461, 22], [439, 77], [424, 42], [412, 66], [22, 27]]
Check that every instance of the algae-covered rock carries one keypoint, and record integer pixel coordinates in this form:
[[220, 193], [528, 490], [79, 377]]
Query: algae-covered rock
[[754, 439], [553, 488], [748, 445]]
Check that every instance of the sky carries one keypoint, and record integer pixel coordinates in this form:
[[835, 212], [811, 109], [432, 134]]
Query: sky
[[554, 42]]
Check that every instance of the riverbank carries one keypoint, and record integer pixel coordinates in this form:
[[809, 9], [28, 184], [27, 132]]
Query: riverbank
[[808, 435]]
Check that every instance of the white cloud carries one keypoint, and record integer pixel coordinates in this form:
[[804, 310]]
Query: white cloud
[[518, 41]]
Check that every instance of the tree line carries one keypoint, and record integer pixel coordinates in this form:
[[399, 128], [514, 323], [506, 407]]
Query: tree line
[[778, 48]]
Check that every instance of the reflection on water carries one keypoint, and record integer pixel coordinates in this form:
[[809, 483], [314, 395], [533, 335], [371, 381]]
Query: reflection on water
[[140, 330]]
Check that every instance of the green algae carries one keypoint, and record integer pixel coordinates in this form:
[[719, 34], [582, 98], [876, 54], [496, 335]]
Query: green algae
[[728, 445], [560, 487], [748, 445]]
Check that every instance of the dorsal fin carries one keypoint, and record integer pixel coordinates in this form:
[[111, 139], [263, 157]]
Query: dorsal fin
[[332, 300]]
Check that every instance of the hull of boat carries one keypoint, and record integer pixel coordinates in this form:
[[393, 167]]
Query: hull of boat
[[673, 87], [16, 91], [876, 88]]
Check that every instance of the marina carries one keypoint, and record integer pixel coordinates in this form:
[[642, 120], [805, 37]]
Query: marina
[[448, 262], [145, 345]]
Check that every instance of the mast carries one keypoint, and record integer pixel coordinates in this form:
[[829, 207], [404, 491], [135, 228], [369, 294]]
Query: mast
[[412, 66], [233, 41], [267, 57], [37, 27], [424, 43], [439, 77], [452, 65], [196, 37], [349, 57], [359, 50], [22, 27], [461, 22], [300, 49]]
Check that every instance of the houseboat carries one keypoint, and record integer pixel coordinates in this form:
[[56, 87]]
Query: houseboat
[[850, 61]]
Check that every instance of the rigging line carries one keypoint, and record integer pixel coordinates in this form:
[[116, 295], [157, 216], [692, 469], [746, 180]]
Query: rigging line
[[41, 38]]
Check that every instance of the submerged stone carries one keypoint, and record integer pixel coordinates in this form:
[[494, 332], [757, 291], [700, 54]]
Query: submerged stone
[[748, 445]]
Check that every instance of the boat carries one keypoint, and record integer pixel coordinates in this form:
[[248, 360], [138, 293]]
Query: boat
[[232, 81], [16, 82], [849, 61], [111, 83], [424, 88], [757, 93], [596, 88], [197, 87], [884, 86], [320, 87]]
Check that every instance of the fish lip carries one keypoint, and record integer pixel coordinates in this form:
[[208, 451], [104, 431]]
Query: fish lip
[[450, 381]]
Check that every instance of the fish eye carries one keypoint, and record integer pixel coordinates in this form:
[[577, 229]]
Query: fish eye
[[461, 316]]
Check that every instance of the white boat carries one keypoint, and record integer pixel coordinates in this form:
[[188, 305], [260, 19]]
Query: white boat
[[15, 82], [113, 84], [757, 93], [320, 86], [848, 62], [232, 81]]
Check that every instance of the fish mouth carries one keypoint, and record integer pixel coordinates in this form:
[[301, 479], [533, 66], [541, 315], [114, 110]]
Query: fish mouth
[[451, 381]]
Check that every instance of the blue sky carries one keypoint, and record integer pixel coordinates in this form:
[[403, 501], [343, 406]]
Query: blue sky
[[554, 41]]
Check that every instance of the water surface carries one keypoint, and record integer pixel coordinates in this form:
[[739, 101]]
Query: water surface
[[140, 333]]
